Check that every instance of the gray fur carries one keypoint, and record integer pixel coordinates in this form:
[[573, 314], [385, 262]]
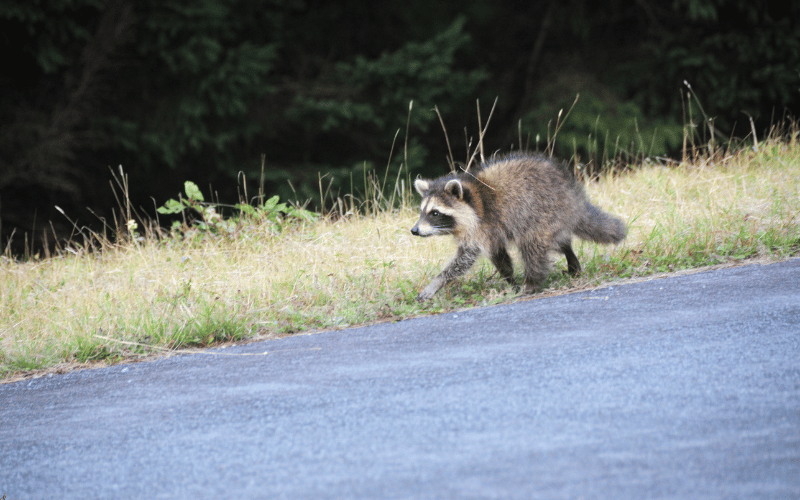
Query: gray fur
[[530, 201]]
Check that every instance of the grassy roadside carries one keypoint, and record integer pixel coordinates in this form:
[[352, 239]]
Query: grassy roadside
[[263, 276]]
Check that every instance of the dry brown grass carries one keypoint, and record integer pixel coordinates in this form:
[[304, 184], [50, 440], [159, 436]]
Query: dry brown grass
[[133, 299]]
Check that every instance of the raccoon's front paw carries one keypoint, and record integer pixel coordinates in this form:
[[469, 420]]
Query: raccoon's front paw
[[425, 295], [429, 291]]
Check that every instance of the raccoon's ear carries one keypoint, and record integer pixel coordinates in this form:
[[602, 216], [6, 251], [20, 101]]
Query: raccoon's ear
[[422, 186], [454, 188]]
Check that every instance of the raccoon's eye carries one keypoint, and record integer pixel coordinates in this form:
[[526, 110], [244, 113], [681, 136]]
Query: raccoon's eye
[[435, 213]]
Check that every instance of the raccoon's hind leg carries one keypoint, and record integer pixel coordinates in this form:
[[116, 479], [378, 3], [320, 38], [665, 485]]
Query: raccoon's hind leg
[[502, 261], [573, 266], [536, 265]]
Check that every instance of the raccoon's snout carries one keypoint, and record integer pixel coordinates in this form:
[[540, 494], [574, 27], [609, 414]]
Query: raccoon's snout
[[421, 232]]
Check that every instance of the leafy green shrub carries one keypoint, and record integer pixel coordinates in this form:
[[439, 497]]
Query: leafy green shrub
[[366, 99]]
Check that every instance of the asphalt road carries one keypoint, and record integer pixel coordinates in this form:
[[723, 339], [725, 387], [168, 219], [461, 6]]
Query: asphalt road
[[683, 387]]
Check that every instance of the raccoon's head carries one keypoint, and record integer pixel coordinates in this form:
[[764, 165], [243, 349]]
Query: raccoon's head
[[444, 203]]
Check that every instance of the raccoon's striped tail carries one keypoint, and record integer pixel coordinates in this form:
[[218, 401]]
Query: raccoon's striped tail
[[600, 226]]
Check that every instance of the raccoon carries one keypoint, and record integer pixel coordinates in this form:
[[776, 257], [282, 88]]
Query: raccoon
[[528, 200]]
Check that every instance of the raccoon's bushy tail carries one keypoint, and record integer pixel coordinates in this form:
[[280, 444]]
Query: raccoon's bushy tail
[[600, 226]]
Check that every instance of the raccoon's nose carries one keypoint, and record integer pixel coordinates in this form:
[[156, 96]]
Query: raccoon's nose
[[415, 230]]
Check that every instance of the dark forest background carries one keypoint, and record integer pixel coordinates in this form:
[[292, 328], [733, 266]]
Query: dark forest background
[[177, 90]]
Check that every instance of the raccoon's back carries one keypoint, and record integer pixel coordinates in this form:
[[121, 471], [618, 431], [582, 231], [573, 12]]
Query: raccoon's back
[[520, 174], [531, 188]]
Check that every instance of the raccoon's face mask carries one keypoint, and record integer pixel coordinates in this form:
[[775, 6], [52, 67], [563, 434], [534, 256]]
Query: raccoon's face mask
[[435, 218]]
